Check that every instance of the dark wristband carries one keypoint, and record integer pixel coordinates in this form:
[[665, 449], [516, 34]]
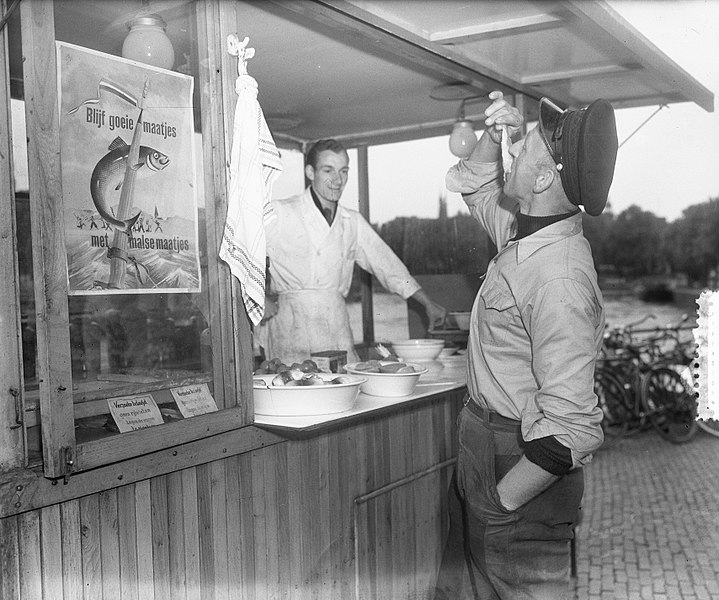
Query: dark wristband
[[549, 454]]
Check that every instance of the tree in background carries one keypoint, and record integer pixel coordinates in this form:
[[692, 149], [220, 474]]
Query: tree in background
[[693, 241], [434, 246], [597, 230], [445, 245], [636, 243], [633, 244]]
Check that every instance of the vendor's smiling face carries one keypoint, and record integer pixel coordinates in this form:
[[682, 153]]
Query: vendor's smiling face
[[329, 176]]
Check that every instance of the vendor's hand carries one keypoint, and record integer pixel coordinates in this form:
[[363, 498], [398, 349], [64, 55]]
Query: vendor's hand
[[436, 313], [500, 113]]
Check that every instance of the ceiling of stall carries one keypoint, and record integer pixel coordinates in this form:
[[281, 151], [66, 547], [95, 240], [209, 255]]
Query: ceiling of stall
[[373, 71]]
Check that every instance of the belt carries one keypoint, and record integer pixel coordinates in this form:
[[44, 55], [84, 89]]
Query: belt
[[487, 415]]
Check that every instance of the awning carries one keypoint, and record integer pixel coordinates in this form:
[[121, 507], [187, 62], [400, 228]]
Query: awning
[[378, 71]]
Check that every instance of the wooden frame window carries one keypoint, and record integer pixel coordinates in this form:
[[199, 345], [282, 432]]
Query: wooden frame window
[[91, 349]]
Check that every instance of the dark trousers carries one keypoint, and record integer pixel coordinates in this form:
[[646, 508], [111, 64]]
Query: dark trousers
[[492, 553]]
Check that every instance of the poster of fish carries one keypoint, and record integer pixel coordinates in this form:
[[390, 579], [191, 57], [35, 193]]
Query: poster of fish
[[127, 143]]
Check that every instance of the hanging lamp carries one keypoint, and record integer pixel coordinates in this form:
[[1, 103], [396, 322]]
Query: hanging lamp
[[462, 140], [147, 41]]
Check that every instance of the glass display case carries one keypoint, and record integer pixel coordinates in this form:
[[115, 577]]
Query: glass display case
[[109, 361]]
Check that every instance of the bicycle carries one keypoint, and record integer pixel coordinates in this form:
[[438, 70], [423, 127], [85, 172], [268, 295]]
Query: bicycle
[[680, 356], [616, 391], [635, 386]]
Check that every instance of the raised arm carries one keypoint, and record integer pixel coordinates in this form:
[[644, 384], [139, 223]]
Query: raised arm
[[501, 119]]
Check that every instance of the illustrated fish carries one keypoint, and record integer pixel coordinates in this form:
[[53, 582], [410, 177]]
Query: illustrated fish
[[109, 173]]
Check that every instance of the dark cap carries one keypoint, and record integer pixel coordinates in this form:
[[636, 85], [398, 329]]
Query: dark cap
[[583, 144]]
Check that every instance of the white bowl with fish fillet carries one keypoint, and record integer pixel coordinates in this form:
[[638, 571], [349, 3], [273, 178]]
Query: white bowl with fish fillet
[[336, 394]]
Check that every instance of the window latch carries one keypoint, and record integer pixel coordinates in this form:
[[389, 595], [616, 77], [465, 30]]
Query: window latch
[[67, 456], [15, 393]]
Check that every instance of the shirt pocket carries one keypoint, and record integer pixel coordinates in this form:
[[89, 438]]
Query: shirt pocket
[[500, 316]]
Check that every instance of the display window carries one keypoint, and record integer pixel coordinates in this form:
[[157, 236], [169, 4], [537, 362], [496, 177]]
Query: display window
[[133, 339]]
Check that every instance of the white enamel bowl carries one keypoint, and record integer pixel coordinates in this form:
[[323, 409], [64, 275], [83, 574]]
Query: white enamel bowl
[[418, 349], [293, 401], [447, 352], [461, 319], [390, 385]]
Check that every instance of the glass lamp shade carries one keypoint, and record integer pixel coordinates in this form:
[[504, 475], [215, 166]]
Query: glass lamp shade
[[148, 43], [462, 140]]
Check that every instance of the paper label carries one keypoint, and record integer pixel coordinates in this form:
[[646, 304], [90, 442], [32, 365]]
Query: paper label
[[193, 400], [707, 363], [134, 412]]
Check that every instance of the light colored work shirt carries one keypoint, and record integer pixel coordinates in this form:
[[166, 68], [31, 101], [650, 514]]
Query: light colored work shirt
[[308, 254], [537, 324]]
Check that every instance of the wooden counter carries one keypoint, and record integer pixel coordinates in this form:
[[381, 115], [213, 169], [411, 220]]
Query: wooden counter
[[350, 507], [443, 376]]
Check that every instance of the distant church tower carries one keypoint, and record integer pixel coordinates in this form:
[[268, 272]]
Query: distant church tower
[[442, 208]]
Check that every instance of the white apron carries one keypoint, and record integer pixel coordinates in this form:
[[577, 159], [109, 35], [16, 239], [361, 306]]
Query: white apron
[[309, 321]]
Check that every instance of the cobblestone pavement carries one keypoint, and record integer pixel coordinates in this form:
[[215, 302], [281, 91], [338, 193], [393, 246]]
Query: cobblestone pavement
[[650, 521]]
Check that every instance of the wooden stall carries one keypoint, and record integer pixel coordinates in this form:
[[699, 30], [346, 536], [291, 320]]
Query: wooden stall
[[355, 511], [219, 503]]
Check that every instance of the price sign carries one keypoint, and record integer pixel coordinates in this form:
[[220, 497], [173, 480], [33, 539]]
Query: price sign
[[134, 412], [193, 400]]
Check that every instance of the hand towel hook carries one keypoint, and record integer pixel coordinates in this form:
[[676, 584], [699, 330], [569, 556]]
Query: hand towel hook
[[240, 50]]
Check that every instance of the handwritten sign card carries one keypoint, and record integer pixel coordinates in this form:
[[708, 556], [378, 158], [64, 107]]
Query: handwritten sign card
[[193, 400], [134, 412]]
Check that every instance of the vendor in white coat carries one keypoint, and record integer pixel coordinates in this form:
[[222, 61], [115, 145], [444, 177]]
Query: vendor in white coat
[[313, 246]]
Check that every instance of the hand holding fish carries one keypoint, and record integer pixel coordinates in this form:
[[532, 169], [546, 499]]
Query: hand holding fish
[[501, 116]]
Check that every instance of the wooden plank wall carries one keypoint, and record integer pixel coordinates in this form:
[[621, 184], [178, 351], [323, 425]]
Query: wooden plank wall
[[358, 512], [12, 436]]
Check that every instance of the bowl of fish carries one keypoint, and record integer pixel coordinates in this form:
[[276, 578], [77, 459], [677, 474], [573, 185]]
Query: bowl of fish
[[387, 378], [296, 393]]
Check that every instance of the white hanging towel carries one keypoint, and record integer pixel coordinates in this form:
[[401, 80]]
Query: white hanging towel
[[254, 166]]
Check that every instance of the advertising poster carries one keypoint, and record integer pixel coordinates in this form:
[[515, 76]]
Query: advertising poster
[[128, 175]]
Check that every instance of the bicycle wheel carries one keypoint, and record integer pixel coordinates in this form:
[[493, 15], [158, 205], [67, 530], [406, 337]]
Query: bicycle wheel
[[711, 426], [612, 399], [669, 404]]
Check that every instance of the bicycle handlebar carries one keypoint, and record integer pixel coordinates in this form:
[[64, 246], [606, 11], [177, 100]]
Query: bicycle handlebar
[[646, 317], [630, 328], [621, 343]]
